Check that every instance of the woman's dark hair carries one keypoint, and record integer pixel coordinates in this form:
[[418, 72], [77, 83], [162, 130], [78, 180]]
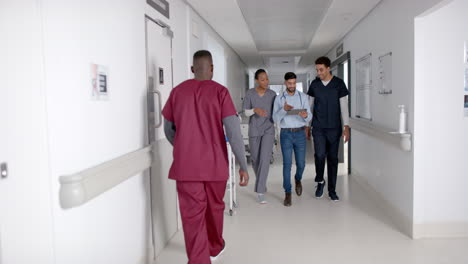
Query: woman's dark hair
[[258, 72]]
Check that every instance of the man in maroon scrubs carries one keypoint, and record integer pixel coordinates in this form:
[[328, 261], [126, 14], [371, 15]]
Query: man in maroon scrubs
[[194, 117]]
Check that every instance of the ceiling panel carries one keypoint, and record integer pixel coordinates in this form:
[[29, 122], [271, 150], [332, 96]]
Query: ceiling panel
[[283, 25], [267, 32]]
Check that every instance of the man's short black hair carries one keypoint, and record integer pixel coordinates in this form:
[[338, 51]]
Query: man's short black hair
[[289, 76], [258, 72], [323, 60], [202, 54]]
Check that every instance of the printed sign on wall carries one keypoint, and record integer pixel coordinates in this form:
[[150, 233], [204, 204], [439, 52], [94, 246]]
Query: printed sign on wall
[[99, 82], [466, 65], [466, 79], [466, 52]]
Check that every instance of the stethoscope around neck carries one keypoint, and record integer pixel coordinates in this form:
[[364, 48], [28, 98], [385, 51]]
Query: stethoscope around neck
[[284, 96]]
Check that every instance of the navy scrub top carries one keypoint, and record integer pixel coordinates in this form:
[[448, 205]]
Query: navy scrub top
[[327, 111]]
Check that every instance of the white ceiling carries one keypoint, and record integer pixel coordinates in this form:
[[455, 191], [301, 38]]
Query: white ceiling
[[279, 25], [282, 35]]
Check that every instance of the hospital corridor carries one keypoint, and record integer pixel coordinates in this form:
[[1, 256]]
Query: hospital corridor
[[233, 131], [354, 230]]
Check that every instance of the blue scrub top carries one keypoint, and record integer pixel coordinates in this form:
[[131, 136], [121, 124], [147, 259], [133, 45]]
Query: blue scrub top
[[327, 111]]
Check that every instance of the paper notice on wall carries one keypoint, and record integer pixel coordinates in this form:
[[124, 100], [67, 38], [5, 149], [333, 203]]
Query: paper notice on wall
[[99, 82], [466, 66], [466, 79], [466, 52]]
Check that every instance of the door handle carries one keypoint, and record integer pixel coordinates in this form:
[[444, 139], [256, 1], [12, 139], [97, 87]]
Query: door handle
[[154, 91], [4, 170], [160, 108]]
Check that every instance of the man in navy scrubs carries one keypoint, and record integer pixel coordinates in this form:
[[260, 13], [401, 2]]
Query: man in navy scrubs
[[330, 122]]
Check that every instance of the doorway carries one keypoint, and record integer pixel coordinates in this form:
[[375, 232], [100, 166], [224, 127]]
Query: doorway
[[341, 68], [163, 195]]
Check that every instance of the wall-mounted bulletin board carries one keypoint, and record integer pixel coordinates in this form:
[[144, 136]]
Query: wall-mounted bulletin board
[[465, 97], [385, 74], [364, 87]]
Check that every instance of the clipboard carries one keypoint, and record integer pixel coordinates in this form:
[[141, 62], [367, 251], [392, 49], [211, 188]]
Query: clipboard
[[296, 111]]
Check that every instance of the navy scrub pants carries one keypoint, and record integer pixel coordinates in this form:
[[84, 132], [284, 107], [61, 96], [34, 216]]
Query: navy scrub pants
[[326, 145]]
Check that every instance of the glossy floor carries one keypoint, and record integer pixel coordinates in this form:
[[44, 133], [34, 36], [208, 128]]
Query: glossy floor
[[354, 230]]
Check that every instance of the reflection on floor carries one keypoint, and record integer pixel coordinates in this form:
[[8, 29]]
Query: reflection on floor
[[354, 230]]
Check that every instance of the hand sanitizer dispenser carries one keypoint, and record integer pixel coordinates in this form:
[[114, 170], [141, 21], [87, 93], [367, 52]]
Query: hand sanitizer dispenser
[[403, 116]]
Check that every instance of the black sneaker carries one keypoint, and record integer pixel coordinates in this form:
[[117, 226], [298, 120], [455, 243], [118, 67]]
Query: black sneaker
[[319, 190], [334, 197]]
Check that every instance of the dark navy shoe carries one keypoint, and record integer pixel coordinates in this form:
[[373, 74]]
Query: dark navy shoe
[[334, 197], [319, 190]]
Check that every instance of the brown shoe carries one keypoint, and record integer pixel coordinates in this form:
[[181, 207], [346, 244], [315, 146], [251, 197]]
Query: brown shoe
[[298, 188], [287, 199]]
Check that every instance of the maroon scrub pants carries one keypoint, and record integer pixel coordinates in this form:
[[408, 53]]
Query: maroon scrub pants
[[202, 210]]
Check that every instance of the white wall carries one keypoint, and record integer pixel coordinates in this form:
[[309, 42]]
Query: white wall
[[114, 227], [67, 131], [441, 142], [303, 79], [252, 83], [234, 71], [25, 196], [389, 171]]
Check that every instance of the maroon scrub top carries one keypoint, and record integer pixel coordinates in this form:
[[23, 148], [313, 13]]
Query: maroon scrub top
[[197, 109]]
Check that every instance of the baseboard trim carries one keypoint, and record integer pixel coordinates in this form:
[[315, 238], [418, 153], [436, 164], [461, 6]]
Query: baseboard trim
[[404, 224], [441, 230]]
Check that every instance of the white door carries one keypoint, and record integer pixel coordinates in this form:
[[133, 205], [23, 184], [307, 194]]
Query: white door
[[25, 196], [3, 171], [159, 79]]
